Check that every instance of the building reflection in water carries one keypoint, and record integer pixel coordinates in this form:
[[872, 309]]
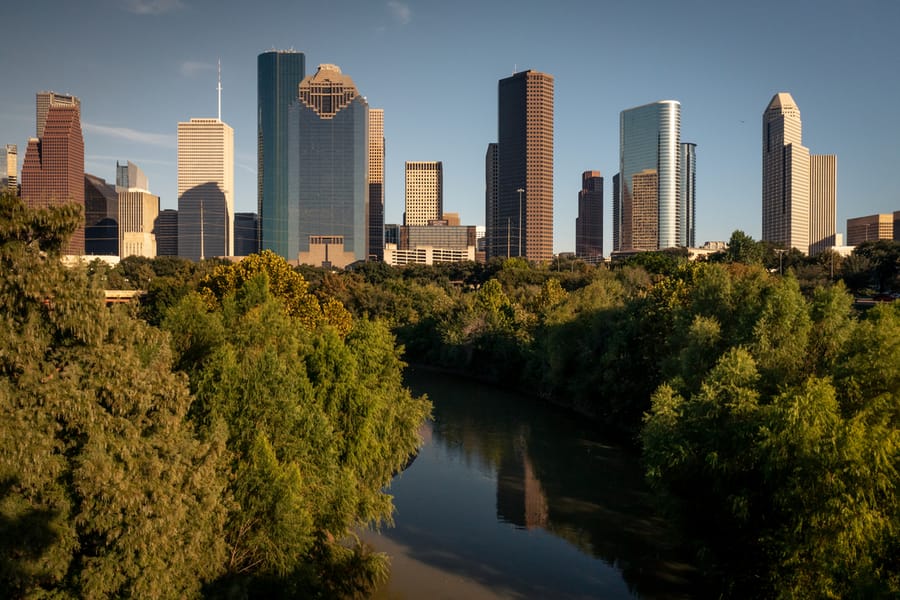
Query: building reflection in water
[[520, 497]]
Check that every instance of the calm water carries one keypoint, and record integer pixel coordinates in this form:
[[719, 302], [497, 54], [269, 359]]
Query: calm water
[[510, 498]]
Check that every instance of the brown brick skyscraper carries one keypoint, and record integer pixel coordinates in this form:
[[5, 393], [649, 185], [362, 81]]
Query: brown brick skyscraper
[[525, 144], [53, 170]]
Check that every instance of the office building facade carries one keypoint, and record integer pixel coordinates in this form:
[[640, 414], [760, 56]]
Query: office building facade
[[870, 228], [101, 217], [785, 176], [491, 198], [328, 134], [11, 174], [166, 231], [376, 184], [138, 211], [524, 215], [279, 73], [648, 205], [43, 102], [589, 222], [246, 226], [53, 170], [205, 189], [822, 202], [799, 190], [424, 192], [687, 209]]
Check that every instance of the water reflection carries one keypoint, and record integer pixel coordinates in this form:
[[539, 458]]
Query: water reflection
[[526, 502]]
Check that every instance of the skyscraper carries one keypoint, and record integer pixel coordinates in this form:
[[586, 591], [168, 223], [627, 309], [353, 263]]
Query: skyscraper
[[101, 217], [10, 177], [53, 171], [424, 192], [491, 199], [822, 202], [688, 196], [166, 229], [328, 134], [589, 223], [525, 166], [246, 225], [205, 189], [648, 208], [785, 181], [138, 211], [279, 74], [799, 190], [376, 183]]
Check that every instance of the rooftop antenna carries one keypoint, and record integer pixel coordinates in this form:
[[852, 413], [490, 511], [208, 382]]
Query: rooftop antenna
[[219, 88]]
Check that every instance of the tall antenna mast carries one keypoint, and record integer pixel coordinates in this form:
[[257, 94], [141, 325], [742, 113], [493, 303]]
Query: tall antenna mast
[[220, 89]]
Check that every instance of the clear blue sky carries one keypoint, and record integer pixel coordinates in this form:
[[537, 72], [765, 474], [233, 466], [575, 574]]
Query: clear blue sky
[[141, 66]]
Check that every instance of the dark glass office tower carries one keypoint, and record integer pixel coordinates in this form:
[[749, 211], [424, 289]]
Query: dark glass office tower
[[279, 74], [524, 217], [328, 134], [589, 223]]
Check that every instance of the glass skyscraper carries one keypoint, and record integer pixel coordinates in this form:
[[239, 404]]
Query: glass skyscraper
[[649, 150], [279, 74], [649, 213], [328, 133]]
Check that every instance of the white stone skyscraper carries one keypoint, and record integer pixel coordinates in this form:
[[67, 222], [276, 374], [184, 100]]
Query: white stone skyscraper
[[205, 189], [798, 190]]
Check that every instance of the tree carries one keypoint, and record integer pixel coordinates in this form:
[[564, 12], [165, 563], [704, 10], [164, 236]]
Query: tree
[[317, 424], [97, 461]]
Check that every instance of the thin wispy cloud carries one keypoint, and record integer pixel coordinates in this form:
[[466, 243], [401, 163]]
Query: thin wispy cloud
[[400, 11], [190, 68], [152, 7], [131, 135]]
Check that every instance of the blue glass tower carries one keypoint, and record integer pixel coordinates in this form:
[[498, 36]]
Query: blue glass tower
[[279, 74], [649, 177], [328, 164]]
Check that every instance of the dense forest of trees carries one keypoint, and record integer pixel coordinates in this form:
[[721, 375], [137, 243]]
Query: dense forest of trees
[[227, 444], [224, 436]]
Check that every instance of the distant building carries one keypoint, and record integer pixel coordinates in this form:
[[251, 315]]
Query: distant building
[[101, 217], [589, 223], [138, 211], [424, 192], [799, 198], [616, 214], [687, 205], [328, 133], [205, 189], [822, 202], [524, 215], [491, 199], [647, 204], [246, 226], [166, 232], [53, 171], [10, 178], [279, 74], [376, 183], [870, 228], [433, 243]]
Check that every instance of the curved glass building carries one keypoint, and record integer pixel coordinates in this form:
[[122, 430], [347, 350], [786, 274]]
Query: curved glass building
[[649, 213]]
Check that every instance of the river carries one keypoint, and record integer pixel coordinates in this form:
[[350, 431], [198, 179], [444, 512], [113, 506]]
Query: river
[[512, 498]]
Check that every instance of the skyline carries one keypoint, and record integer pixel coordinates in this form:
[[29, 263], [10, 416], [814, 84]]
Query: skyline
[[434, 69]]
